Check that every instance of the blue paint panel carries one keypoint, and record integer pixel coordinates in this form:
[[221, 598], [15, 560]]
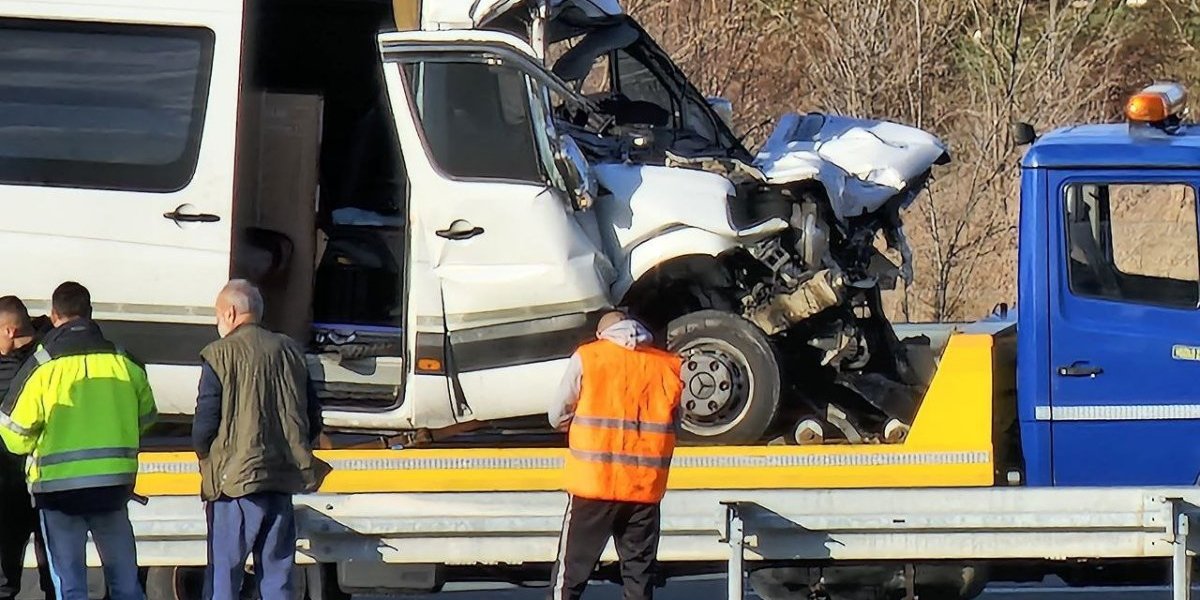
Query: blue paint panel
[[1035, 443], [1114, 146], [1132, 343], [1033, 327], [1127, 453]]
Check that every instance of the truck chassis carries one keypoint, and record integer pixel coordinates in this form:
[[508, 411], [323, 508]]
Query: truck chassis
[[390, 542]]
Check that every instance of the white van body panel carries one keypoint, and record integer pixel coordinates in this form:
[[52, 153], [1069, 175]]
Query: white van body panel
[[139, 266], [117, 242]]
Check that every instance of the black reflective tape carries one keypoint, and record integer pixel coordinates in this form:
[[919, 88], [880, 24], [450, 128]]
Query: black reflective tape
[[160, 343], [477, 350]]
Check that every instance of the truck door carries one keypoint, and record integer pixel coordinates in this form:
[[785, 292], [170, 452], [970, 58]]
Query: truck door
[[1125, 329], [518, 274]]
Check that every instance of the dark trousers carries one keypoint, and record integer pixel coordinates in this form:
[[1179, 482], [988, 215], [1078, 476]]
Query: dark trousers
[[261, 524], [18, 519], [66, 545], [587, 526]]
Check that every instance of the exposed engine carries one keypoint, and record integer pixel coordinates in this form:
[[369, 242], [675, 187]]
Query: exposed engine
[[813, 288]]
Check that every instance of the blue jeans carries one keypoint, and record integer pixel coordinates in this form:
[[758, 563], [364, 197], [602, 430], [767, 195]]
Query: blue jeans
[[66, 551], [262, 524]]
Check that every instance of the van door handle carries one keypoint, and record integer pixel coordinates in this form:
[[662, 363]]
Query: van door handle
[[182, 217], [1080, 369], [459, 230]]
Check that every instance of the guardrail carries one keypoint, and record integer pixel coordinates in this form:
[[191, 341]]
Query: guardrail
[[740, 526]]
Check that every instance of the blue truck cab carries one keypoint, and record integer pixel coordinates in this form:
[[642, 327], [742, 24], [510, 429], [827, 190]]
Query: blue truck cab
[[1108, 344]]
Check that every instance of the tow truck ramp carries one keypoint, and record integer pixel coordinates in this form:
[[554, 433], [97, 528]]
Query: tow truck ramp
[[741, 528]]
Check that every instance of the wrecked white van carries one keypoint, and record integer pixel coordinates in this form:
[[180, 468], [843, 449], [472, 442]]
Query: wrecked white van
[[439, 215]]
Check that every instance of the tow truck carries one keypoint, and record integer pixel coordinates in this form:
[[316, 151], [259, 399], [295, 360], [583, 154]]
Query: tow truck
[[1074, 460]]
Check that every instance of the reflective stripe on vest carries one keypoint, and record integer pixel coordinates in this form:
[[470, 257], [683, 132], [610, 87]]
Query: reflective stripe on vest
[[87, 454], [625, 424], [93, 438], [623, 434], [82, 482], [652, 462]]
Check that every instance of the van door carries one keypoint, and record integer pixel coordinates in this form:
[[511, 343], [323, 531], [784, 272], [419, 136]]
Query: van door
[[518, 274], [116, 171], [1125, 329]]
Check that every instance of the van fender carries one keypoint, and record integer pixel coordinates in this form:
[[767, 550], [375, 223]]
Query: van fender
[[668, 246]]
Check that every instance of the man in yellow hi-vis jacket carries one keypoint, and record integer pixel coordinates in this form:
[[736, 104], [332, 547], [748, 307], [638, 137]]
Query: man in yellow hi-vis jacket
[[78, 408]]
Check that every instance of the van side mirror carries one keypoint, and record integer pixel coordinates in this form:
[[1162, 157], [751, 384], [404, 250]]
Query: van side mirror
[[1023, 134], [577, 173], [723, 108]]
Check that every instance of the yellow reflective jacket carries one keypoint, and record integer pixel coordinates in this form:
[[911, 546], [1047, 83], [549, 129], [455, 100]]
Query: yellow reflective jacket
[[78, 407]]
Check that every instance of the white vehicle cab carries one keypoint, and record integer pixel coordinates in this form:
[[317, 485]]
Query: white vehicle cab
[[435, 213]]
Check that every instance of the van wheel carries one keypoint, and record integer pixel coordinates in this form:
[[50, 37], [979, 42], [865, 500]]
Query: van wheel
[[174, 583], [731, 378]]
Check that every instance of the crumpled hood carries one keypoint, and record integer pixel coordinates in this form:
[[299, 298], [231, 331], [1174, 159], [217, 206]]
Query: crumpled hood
[[627, 333], [862, 163], [645, 201]]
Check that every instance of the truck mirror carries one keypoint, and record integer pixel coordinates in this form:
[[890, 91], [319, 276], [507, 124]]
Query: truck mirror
[[1023, 134], [577, 173]]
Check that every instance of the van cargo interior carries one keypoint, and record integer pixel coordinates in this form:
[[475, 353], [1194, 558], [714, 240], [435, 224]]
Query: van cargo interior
[[321, 186]]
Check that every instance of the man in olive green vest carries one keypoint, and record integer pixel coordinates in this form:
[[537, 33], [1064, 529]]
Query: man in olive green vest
[[257, 419]]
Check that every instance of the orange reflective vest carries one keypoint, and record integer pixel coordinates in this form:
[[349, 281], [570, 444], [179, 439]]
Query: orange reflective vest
[[623, 434]]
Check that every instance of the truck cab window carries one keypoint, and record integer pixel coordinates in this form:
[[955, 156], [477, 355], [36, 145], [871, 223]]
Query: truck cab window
[[476, 119], [1133, 243]]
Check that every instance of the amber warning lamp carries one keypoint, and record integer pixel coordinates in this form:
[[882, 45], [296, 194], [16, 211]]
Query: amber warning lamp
[[1162, 105]]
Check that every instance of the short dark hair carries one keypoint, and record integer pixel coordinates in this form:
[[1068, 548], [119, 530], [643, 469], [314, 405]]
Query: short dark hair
[[72, 301], [12, 305]]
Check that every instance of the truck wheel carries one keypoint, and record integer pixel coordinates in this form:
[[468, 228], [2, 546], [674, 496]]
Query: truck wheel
[[731, 378]]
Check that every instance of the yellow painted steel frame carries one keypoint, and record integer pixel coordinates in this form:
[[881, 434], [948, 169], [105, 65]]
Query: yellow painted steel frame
[[950, 445]]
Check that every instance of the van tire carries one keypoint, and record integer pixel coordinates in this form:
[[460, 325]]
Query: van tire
[[734, 397], [174, 583]]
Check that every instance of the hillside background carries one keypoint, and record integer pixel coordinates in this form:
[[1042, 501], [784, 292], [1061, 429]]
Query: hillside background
[[963, 69]]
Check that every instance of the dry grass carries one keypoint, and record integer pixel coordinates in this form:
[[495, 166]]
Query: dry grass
[[965, 69]]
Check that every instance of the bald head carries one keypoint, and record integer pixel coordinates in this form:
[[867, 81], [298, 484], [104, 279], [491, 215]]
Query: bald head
[[609, 319], [239, 303]]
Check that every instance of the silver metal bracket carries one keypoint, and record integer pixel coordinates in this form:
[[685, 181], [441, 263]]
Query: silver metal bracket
[[735, 536], [1179, 534]]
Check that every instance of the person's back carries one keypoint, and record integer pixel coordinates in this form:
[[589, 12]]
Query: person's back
[[79, 407], [623, 434], [92, 392], [257, 418], [619, 402], [263, 443]]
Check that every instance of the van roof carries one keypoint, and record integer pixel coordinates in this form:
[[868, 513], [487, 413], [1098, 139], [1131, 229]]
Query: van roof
[[1115, 146], [152, 12]]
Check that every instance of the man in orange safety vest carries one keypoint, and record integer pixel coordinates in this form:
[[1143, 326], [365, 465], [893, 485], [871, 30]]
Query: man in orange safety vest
[[619, 401]]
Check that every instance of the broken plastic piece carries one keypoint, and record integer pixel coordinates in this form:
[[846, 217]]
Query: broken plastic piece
[[822, 291]]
